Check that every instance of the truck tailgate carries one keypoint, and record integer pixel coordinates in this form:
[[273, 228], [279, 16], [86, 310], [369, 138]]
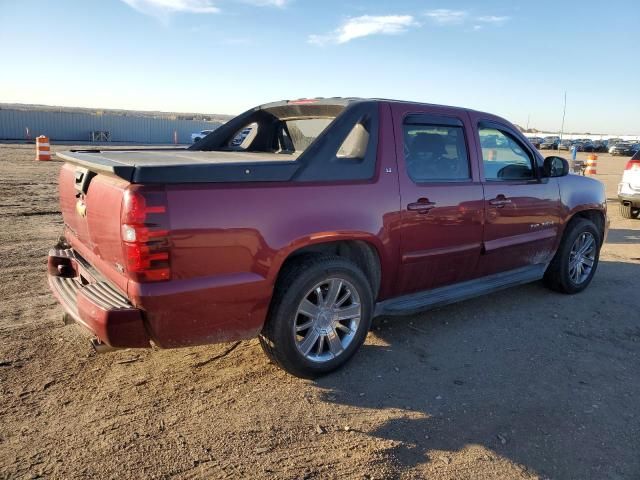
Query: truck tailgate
[[90, 205]]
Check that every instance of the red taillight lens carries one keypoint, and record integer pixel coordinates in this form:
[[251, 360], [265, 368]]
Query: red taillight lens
[[633, 165], [145, 234]]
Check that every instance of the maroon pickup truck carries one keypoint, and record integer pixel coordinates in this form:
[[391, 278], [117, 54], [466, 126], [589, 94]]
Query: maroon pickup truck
[[298, 221]]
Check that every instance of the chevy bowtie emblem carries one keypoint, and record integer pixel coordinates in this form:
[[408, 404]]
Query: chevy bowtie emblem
[[81, 208]]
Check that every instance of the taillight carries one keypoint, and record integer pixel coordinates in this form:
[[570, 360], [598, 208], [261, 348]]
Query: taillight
[[145, 234], [633, 165]]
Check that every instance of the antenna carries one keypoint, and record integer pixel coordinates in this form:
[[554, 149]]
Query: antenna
[[564, 111]]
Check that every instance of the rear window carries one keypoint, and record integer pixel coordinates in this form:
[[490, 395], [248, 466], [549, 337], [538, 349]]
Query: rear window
[[304, 131]]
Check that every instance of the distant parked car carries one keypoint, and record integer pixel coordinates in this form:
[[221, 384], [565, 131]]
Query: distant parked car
[[550, 143], [624, 148], [196, 137], [588, 146], [565, 145], [576, 144], [488, 141], [240, 137], [629, 188], [599, 146], [535, 141]]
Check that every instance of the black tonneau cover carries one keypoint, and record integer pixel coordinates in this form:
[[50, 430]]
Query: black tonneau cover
[[211, 161], [186, 166]]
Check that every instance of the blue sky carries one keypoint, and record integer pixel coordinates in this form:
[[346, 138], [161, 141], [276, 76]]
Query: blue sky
[[511, 58]]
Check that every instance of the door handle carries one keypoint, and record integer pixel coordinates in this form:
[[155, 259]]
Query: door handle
[[423, 205], [500, 201]]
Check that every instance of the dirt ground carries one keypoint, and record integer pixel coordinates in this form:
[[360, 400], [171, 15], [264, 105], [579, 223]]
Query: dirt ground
[[524, 383]]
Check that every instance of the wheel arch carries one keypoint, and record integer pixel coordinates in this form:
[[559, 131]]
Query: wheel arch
[[364, 252], [596, 216]]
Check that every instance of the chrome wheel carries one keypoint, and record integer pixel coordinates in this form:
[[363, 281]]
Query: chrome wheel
[[582, 257], [327, 320]]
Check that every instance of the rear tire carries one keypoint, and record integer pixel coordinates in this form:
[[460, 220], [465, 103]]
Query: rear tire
[[561, 274], [306, 284], [626, 211]]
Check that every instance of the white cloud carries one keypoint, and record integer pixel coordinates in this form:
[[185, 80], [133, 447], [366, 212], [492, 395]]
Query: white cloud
[[364, 26], [493, 19], [445, 16], [162, 9], [268, 3]]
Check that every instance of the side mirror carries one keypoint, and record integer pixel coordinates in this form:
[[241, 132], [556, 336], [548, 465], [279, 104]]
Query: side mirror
[[555, 167]]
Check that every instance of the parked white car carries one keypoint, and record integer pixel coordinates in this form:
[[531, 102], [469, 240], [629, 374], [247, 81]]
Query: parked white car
[[196, 137], [629, 189]]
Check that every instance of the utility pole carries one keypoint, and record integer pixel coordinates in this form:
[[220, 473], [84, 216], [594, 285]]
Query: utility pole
[[564, 111]]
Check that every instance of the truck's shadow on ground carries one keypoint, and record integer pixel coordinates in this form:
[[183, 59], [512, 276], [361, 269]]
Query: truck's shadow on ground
[[621, 235], [556, 391]]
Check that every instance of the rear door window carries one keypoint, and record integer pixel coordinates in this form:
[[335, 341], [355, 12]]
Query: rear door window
[[436, 153]]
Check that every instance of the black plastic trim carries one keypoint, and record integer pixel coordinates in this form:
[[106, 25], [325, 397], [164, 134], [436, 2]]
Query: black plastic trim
[[421, 301], [230, 173], [431, 119], [319, 162]]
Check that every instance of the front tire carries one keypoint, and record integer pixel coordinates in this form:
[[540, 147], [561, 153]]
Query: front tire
[[576, 260], [319, 317]]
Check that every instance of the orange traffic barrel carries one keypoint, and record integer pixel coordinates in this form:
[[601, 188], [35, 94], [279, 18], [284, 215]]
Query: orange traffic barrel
[[43, 149], [592, 163]]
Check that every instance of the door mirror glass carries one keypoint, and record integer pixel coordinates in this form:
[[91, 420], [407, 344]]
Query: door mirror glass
[[555, 167]]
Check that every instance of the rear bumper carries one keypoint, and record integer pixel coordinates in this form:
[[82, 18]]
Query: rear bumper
[[633, 200], [178, 313], [628, 194], [93, 303]]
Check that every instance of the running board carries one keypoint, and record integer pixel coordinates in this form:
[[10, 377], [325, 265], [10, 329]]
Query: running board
[[421, 301]]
